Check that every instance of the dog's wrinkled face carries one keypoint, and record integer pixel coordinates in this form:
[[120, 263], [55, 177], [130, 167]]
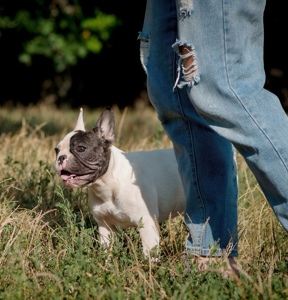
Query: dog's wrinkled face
[[82, 157]]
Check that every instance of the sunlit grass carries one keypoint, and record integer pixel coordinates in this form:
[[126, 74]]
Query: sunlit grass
[[49, 246]]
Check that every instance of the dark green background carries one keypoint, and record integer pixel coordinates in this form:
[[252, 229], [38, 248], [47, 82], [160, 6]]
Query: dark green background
[[114, 75]]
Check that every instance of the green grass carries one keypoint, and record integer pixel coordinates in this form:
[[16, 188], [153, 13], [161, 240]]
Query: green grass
[[49, 246]]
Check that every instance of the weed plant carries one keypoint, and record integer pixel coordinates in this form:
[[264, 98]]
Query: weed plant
[[49, 245]]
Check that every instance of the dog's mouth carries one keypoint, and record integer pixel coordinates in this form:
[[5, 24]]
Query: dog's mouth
[[71, 179], [65, 175]]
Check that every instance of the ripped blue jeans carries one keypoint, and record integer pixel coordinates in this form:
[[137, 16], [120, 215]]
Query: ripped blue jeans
[[205, 78]]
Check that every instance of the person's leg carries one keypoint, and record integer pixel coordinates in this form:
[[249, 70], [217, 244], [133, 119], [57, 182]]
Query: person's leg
[[206, 160], [225, 84]]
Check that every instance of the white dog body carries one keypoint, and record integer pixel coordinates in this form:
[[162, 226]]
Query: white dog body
[[133, 189]]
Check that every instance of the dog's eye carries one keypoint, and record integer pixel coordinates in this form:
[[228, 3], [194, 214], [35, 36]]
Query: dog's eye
[[80, 148], [56, 151]]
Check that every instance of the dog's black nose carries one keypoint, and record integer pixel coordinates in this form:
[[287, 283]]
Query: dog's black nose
[[62, 158]]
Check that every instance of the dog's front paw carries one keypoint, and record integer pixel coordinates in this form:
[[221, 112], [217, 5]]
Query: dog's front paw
[[155, 260]]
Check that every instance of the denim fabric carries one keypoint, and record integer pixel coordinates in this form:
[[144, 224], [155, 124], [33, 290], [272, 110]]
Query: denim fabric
[[216, 105]]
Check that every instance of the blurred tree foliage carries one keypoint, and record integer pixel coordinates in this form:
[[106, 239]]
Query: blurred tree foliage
[[87, 53], [45, 44], [58, 30]]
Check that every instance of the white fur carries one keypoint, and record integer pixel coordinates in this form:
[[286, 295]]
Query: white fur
[[138, 189]]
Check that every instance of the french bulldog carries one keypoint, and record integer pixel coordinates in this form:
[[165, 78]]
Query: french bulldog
[[134, 189]]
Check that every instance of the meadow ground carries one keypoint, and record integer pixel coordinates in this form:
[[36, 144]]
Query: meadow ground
[[49, 245]]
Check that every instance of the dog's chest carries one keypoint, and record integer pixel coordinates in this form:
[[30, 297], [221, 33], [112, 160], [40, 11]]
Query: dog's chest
[[110, 213]]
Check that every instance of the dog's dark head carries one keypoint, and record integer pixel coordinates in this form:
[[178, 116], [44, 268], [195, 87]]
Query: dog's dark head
[[83, 156]]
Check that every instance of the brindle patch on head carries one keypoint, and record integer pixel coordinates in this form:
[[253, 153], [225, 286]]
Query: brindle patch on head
[[92, 154]]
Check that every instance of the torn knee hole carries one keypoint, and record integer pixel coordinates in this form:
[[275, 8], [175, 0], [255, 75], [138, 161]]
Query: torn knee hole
[[189, 67]]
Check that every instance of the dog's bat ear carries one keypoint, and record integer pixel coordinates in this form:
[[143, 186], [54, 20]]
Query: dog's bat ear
[[80, 123], [105, 125]]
